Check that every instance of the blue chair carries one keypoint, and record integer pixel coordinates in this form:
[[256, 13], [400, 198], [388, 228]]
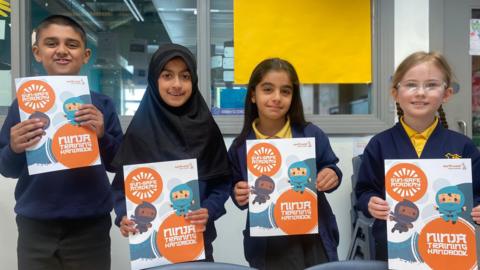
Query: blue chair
[[202, 266], [354, 265]]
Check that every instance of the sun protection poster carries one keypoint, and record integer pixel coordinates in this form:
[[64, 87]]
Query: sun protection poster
[[158, 196], [430, 226], [282, 178], [54, 100]]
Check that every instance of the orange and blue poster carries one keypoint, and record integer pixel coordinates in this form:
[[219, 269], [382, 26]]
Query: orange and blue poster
[[430, 226], [54, 100], [283, 197], [158, 196]]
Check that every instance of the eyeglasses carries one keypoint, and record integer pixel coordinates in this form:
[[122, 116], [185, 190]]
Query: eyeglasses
[[428, 86]]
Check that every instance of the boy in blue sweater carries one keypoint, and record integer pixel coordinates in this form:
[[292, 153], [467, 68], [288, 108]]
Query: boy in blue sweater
[[63, 217]]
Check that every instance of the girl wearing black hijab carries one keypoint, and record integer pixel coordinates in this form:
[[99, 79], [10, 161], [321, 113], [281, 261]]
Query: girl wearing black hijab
[[173, 122]]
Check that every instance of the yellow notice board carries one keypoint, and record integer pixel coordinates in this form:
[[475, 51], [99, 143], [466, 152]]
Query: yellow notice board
[[327, 41], [5, 8]]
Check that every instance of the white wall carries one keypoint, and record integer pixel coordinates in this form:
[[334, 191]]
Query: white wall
[[411, 34], [8, 231]]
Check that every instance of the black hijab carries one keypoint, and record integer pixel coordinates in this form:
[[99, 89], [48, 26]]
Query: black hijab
[[159, 132]]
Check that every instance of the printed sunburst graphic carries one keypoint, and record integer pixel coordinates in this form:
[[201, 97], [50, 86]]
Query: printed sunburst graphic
[[267, 152], [142, 177], [405, 174]]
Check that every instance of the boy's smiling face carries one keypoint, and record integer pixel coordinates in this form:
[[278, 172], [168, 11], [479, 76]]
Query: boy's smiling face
[[61, 50]]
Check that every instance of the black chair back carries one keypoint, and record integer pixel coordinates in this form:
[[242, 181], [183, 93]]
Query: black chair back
[[362, 245]]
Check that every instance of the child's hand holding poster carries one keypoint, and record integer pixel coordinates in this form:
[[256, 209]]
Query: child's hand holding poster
[[54, 100], [430, 226], [282, 177], [158, 196]]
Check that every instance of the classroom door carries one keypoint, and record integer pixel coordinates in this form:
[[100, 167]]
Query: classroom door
[[450, 33]]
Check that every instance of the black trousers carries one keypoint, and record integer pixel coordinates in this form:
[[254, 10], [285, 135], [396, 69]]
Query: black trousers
[[294, 252], [66, 244]]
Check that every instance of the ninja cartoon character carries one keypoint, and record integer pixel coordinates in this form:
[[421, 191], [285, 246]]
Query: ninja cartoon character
[[43, 118], [405, 213], [264, 186], [299, 174], [70, 106], [181, 198], [144, 214], [450, 202]]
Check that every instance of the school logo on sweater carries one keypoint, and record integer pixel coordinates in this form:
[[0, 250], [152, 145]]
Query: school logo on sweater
[[452, 156]]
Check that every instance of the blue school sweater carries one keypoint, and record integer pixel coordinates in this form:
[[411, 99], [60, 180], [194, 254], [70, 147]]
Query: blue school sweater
[[77, 193], [255, 247], [394, 143]]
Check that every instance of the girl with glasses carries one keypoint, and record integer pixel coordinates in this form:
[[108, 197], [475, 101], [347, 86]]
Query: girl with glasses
[[420, 85]]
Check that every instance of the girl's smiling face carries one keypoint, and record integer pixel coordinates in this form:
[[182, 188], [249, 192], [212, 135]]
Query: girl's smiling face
[[273, 96], [421, 92], [175, 83]]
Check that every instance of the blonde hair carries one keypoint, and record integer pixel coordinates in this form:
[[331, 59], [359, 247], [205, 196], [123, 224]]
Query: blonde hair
[[415, 59]]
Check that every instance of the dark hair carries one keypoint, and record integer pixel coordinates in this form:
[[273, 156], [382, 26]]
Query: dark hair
[[295, 112], [417, 58], [60, 20]]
